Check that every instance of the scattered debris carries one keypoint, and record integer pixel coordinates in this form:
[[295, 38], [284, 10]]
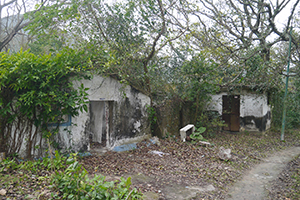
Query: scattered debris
[[2, 192], [205, 143], [155, 140], [159, 153], [125, 147], [286, 185], [132, 146], [224, 154], [187, 165]]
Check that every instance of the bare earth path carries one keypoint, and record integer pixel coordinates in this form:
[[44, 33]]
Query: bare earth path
[[254, 184]]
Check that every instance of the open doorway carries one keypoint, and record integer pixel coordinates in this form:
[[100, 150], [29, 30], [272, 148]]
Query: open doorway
[[100, 123], [231, 112]]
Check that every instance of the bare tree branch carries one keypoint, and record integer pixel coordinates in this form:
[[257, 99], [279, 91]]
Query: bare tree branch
[[12, 27]]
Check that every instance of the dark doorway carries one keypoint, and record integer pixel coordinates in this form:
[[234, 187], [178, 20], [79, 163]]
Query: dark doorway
[[231, 112], [97, 124]]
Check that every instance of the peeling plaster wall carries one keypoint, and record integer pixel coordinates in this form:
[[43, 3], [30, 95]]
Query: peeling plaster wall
[[128, 118], [255, 113]]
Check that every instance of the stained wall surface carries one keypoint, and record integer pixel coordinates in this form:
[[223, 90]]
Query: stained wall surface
[[123, 116], [255, 113]]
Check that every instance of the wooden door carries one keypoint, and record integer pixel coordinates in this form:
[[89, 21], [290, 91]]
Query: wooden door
[[231, 112]]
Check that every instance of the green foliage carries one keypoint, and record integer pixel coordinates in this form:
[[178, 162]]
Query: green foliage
[[47, 44], [128, 34], [39, 90], [74, 183], [152, 115], [34, 166], [200, 77], [58, 162], [197, 135], [71, 181], [292, 111], [199, 80], [212, 122], [7, 165]]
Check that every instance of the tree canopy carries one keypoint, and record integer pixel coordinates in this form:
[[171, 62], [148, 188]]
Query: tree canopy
[[137, 40]]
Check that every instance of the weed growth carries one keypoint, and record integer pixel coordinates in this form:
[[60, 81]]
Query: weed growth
[[68, 179]]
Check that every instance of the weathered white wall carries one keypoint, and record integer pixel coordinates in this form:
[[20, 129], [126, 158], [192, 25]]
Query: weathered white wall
[[124, 98], [252, 107], [250, 104], [216, 103]]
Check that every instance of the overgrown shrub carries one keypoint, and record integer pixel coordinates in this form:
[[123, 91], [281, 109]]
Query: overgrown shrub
[[292, 110], [212, 123], [69, 179], [74, 183], [199, 80], [35, 91], [8, 165]]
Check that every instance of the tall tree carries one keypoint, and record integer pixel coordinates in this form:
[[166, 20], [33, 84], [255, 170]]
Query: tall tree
[[131, 33], [242, 30], [12, 21]]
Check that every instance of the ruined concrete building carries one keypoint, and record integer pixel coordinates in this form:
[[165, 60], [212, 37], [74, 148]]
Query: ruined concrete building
[[117, 114], [242, 109]]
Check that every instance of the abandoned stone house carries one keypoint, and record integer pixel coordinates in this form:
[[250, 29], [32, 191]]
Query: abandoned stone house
[[242, 109], [117, 114]]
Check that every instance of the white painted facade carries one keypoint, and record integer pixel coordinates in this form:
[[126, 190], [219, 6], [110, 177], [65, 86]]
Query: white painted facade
[[251, 105], [107, 90]]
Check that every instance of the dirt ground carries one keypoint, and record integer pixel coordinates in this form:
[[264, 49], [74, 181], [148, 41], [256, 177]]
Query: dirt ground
[[189, 171], [255, 183], [184, 170], [287, 184]]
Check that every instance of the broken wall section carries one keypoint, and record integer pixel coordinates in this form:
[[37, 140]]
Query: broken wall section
[[172, 115]]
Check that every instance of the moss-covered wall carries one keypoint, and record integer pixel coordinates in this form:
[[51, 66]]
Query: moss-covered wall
[[171, 116]]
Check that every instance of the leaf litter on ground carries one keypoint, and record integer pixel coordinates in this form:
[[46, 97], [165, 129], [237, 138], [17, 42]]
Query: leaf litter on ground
[[189, 164], [183, 164]]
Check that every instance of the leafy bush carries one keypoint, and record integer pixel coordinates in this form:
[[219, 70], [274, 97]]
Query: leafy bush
[[74, 183], [36, 91], [212, 123], [197, 134], [152, 115], [8, 165], [292, 110], [198, 80], [58, 162]]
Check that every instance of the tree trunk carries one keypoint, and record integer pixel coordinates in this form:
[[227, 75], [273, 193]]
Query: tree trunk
[[3, 137]]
